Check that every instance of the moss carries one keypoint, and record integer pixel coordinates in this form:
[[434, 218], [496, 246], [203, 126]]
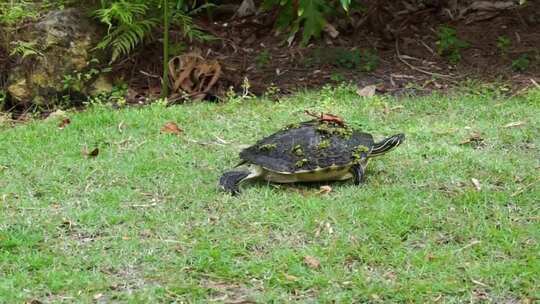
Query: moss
[[301, 163], [357, 153], [323, 144], [297, 150], [330, 128], [40, 78], [267, 147], [292, 126]]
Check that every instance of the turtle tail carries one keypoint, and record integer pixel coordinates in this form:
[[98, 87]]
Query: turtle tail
[[387, 144]]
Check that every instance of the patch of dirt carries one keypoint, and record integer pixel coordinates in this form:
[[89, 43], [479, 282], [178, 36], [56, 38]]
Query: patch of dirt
[[230, 293], [248, 48]]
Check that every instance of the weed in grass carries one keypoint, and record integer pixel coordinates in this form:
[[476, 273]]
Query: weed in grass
[[449, 45], [263, 59], [521, 63], [503, 44]]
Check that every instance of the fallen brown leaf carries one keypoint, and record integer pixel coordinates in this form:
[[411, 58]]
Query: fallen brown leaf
[[476, 184], [67, 224], [514, 124], [171, 128], [367, 91], [290, 277], [57, 114], [327, 117], [325, 189], [92, 153], [474, 138], [312, 262], [66, 121], [331, 30], [193, 75]]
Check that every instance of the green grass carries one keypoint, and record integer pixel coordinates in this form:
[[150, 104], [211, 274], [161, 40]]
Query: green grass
[[143, 221]]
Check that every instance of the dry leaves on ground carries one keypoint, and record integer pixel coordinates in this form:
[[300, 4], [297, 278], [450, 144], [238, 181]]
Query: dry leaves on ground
[[66, 121], [514, 124], [476, 184], [193, 75], [290, 277], [90, 154], [367, 91], [474, 139], [325, 189], [312, 262], [171, 128]]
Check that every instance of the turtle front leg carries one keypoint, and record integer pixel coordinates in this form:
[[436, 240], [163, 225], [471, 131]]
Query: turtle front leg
[[230, 181], [358, 170], [358, 174]]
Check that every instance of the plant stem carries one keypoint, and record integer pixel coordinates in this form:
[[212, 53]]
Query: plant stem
[[165, 80]]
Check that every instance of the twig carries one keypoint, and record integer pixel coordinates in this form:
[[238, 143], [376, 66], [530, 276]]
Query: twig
[[144, 205], [170, 241], [479, 283], [417, 68], [204, 143], [149, 75], [535, 83], [523, 189], [222, 141], [427, 47], [475, 242]]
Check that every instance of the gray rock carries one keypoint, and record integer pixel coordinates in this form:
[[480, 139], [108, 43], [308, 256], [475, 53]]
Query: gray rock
[[64, 40]]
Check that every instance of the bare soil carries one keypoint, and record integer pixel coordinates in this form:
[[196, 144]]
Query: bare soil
[[249, 48]]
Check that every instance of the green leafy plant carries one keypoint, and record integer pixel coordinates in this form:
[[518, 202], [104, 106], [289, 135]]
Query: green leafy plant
[[13, 12], [364, 60], [128, 26], [272, 91], [263, 58], [24, 49], [521, 63], [78, 80], [449, 45], [337, 77], [116, 97], [130, 22], [309, 14], [503, 44]]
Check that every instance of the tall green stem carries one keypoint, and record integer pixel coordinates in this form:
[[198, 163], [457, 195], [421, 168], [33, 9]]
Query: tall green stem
[[165, 81]]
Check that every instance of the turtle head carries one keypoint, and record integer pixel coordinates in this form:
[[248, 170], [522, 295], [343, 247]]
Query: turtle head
[[387, 144]]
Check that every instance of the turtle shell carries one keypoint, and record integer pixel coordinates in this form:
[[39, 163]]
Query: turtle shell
[[309, 146]]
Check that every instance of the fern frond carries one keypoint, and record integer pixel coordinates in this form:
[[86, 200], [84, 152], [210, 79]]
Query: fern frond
[[125, 38], [190, 30], [121, 12]]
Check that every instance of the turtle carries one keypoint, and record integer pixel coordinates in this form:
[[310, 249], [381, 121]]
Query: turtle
[[311, 151]]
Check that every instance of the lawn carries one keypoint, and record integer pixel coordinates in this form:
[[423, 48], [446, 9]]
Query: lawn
[[143, 221]]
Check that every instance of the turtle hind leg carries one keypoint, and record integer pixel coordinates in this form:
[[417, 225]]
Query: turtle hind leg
[[358, 173], [230, 181]]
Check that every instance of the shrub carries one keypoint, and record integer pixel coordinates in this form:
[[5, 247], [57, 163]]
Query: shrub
[[309, 14], [449, 45]]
